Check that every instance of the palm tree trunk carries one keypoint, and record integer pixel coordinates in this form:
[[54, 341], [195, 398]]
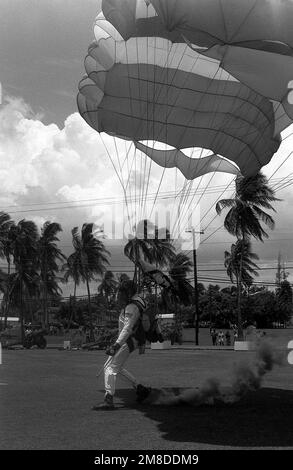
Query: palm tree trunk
[[46, 306], [21, 312], [70, 315], [92, 337], [137, 268], [45, 300], [7, 301], [74, 301], [72, 308], [30, 308], [239, 315]]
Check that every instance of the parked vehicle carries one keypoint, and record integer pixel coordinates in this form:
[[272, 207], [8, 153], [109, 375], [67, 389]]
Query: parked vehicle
[[35, 337]]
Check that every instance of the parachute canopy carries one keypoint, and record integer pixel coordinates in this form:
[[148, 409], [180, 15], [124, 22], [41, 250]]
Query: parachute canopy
[[212, 74]]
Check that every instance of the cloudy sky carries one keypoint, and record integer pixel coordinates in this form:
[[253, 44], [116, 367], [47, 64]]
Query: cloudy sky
[[53, 166]]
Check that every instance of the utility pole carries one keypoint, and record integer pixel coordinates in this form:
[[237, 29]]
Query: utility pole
[[196, 309]]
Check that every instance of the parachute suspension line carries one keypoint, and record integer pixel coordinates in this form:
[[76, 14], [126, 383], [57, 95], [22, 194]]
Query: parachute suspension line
[[120, 180], [223, 20], [141, 185], [170, 111], [194, 113], [140, 124], [135, 189], [166, 117], [231, 181], [140, 189], [111, 159], [186, 195], [212, 206], [168, 114], [128, 199], [284, 161], [213, 174], [153, 115], [118, 158], [276, 189], [174, 74], [287, 181], [142, 209], [150, 161], [222, 225], [128, 171], [190, 203], [157, 98], [244, 20], [209, 236], [218, 198], [134, 201], [133, 198]]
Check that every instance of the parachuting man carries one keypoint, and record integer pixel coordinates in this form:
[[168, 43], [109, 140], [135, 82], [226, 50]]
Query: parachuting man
[[131, 336]]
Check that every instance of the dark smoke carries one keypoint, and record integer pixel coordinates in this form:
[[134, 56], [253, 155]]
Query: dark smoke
[[245, 377]]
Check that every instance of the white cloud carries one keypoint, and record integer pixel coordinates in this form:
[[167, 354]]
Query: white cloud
[[41, 164]]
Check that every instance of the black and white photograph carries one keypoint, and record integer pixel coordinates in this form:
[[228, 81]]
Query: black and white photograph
[[146, 231]]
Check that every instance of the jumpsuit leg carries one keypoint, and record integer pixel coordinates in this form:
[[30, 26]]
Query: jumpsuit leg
[[128, 377], [115, 367]]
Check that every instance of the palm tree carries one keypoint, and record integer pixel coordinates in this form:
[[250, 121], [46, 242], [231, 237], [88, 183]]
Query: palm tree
[[71, 270], [5, 252], [90, 258], [48, 254], [137, 248], [179, 268], [108, 286], [24, 238], [246, 215], [5, 224], [149, 247], [241, 267]]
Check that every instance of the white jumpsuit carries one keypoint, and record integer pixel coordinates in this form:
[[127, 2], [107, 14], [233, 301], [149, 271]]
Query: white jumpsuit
[[128, 318]]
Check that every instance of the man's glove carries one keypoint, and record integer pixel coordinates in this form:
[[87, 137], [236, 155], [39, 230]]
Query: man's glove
[[112, 349]]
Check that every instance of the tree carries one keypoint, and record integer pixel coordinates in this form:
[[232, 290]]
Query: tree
[[284, 302], [149, 245], [24, 238], [48, 254], [241, 267], [138, 247], [71, 270], [5, 252], [182, 292], [180, 267], [246, 215], [108, 286], [89, 259]]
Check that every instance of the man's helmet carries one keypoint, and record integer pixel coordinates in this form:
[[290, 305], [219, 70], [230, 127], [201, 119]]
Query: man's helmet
[[139, 301]]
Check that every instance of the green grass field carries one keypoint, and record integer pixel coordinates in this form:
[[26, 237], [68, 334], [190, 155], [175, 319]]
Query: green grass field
[[47, 395]]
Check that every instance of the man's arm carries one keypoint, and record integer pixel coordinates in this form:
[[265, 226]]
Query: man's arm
[[131, 317]]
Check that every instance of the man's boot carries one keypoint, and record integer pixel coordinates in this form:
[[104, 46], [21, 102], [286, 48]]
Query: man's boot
[[107, 404]]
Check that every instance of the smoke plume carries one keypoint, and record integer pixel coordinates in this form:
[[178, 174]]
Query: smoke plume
[[245, 377]]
